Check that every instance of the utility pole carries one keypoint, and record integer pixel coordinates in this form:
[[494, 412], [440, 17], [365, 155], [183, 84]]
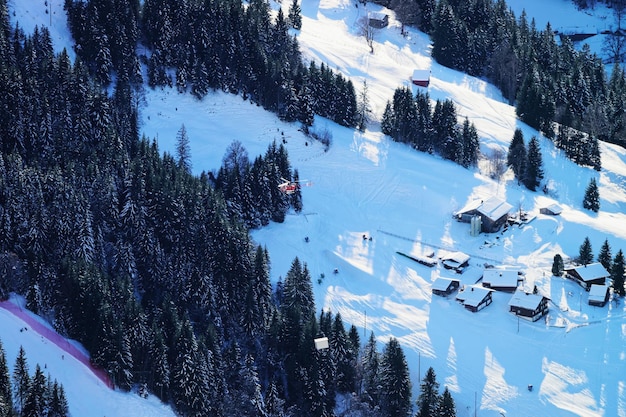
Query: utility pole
[[474, 403], [364, 325], [419, 364]]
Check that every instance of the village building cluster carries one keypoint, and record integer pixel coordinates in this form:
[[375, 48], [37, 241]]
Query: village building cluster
[[489, 216]]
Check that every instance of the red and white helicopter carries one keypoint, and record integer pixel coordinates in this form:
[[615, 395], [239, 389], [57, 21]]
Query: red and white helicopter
[[289, 187]]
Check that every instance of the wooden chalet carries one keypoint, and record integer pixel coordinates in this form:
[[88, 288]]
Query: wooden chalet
[[475, 298], [551, 210], [507, 280], [421, 77], [528, 306], [599, 295], [456, 261], [493, 212], [587, 275], [378, 20], [445, 286]]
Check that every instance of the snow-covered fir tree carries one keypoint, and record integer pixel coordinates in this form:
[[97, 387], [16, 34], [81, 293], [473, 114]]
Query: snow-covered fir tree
[[585, 253], [591, 200]]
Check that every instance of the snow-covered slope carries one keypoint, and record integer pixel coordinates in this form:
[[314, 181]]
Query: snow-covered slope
[[368, 185], [64, 361]]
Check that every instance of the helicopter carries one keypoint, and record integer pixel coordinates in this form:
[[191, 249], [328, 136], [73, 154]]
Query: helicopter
[[289, 187]]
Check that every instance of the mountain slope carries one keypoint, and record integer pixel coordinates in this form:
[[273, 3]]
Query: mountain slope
[[368, 185]]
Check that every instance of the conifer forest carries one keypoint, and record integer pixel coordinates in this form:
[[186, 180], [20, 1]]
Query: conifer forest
[[153, 269]]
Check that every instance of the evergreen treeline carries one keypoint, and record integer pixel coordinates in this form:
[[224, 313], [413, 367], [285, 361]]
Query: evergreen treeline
[[211, 45], [412, 120], [151, 268], [556, 89], [23, 395]]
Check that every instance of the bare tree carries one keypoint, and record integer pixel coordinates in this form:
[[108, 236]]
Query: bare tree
[[613, 46], [497, 163], [615, 42], [619, 10], [367, 31]]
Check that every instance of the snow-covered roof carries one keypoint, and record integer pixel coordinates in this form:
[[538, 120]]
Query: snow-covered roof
[[597, 292], [321, 343], [555, 208], [421, 74], [501, 278], [442, 284], [591, 271], [494, 208], [525, 300], [472, 296], [376, 15], [455, 258]]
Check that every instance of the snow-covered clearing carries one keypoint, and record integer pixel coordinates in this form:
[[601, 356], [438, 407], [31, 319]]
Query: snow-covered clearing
[[368, 185]]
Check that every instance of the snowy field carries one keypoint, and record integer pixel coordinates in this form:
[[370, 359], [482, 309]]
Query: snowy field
[[368, 185]]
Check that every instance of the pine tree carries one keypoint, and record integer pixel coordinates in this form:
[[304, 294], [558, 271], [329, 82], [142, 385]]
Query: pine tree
[[296, 197], [395, 383], [159, 379], [557, 265], [446, 407], [424, 134], [605, 256], [298, 291], [364, 109], [343, 356], [58, 401], [404, 116], [190, 376], [371, 368], [428, 400], [387, 122], [469, 138], [446, 135], [594, 153], [21, 381], [592, 196], [516, 157], [534, 167], [617, 274], [445, 35], [585, 254], [183, 149], [35, 403], [6, 397], [273, 403], [294, 16]]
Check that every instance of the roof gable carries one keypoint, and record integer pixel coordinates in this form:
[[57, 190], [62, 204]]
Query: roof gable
[[494, 208], [598, 292], [421, 74], [501, 278], [442, 284], [473, 296], [591, 271], [526, 301], [554, 208], [456, 258]]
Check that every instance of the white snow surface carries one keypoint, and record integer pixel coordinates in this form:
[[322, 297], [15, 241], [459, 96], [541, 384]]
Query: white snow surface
[[366, 184]]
